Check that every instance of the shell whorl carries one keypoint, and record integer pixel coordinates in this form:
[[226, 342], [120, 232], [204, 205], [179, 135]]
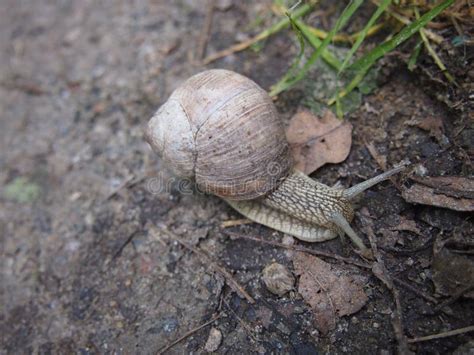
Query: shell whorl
[[223, 130]]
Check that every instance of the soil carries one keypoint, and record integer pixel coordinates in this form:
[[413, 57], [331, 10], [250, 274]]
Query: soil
[[90, 259]]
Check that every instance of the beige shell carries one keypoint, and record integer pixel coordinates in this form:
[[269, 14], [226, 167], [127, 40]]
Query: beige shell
[[223, 130]]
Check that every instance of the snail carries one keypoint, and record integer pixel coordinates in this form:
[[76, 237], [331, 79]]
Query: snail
[[222, 130]]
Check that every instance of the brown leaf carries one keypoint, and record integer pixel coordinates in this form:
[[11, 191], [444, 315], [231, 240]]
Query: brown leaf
[[451, 272], [407, 225], [316, 141], [328, 289], [453, 192], [431, 124]]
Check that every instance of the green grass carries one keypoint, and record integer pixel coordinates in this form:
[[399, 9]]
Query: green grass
[[288, 81], [355, 73]]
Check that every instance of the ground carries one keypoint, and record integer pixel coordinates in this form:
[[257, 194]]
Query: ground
[[91, 262]]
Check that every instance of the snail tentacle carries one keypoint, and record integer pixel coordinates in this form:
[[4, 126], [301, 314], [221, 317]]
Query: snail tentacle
[[355, 190]]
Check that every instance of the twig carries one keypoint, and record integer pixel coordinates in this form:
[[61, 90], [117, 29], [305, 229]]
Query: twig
[[124, 244], [243, 323], [299, 248], [415, 290], [454, 298], [380, 271], [233, 284], [235, 222], [206, 30], [443, 334], [188, 334]]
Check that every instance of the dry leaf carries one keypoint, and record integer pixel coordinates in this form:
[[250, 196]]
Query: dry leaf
[[381, 272], [407, 225], [316, 141], [329, 291], [379, 158], [453, 192], [431, 124], [451, 272]]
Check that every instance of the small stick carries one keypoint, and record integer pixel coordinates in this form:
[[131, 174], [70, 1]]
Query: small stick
[[206, 31], [235, 222], [233, 284], [243, 323], [304, 9], [443, 334], [299, 248], [415, 290], [188, 334], [387, 280]]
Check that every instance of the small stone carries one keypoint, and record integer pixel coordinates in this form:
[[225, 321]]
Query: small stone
[[278, 279], [214, 340]]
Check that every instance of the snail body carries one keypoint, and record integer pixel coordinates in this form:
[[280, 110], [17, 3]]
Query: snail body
[[221, 129]]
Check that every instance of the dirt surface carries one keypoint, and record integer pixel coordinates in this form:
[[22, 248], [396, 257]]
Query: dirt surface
[[90, 259]]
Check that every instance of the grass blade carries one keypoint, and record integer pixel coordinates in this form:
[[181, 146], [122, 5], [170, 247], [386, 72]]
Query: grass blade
[[315, 42], [433, 54], [285, 83], [303, 10], [414, 55], [380, 9], [299, 35], [367, 61]]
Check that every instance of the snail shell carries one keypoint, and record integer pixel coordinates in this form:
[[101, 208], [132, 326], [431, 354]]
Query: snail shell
[[222, 129]]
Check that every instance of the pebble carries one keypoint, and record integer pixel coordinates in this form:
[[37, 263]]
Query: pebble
[[214, 340], [278, 279]]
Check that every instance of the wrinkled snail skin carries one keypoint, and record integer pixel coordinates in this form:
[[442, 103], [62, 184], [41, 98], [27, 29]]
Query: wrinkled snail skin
[[221, 129], [309, 210]]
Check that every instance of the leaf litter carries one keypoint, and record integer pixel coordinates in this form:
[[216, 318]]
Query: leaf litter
[[453, 192], [329, 289], [315, 141], [451, 272]]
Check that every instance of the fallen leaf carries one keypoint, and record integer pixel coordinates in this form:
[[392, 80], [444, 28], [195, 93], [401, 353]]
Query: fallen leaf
[[381, 272], [407, 225], [451, 272], [453, 192], [328, 289], [431, 124], [316, 141], [389, 238], [379, 158]]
